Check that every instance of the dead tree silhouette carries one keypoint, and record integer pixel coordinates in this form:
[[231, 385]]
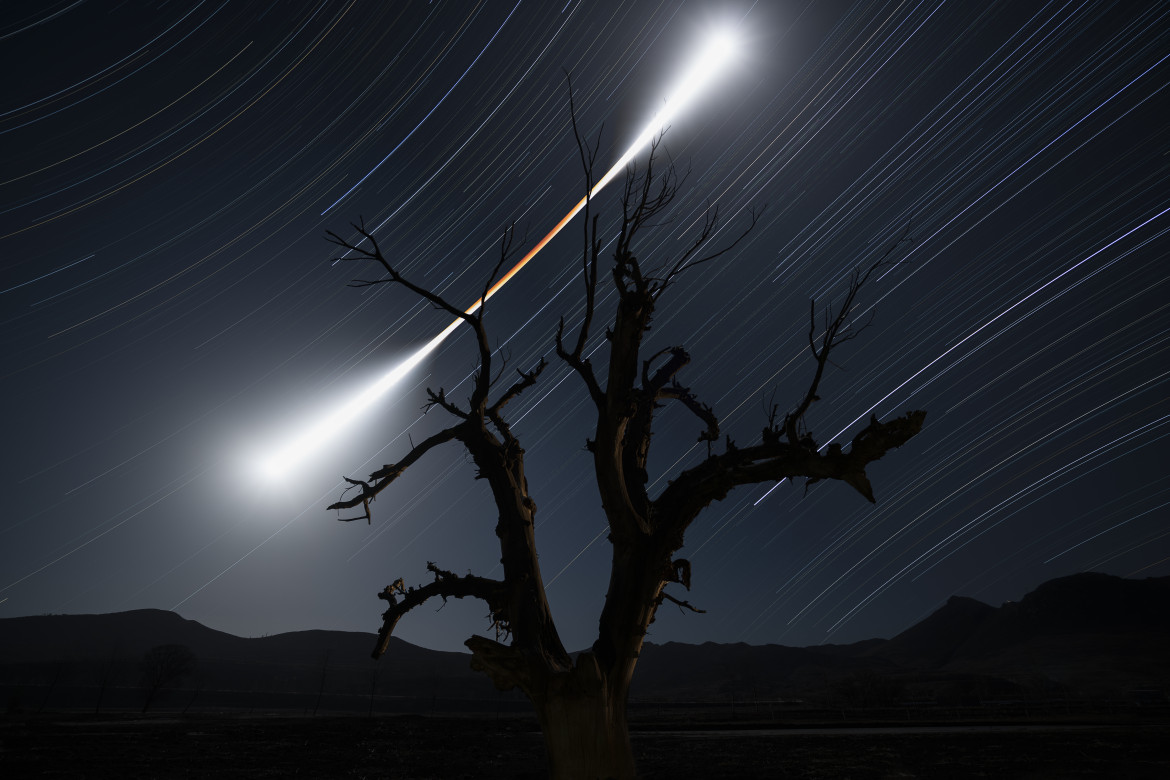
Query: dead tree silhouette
[[163, 665], [582, 705]]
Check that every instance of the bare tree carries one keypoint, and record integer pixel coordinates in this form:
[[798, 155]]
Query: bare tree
[[582, 704], [105, 675], [163, 665]]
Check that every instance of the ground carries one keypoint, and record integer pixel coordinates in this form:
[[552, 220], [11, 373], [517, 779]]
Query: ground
[[62, 745]]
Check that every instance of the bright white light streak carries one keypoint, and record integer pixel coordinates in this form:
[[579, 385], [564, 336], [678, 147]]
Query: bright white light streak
[[716, 53]]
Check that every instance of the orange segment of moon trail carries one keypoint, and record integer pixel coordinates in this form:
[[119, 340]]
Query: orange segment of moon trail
[[531, 254]]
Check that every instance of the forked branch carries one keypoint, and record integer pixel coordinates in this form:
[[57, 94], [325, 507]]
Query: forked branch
[[644, 196], [688, 259], [374, 253], [365, 497], [527, 379], [837, 329], [591, 249], [439, 399]]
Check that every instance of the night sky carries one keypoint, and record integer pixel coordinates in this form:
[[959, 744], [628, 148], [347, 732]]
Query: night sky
[[170, 312]]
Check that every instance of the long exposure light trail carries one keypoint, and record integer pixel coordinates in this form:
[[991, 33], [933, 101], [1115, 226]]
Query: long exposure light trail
[[717, 51]]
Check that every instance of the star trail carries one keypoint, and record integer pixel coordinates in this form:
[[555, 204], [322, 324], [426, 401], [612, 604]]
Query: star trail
[[168, 173]]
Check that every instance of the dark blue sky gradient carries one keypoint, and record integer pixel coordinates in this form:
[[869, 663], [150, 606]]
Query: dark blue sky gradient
[[170, 312]]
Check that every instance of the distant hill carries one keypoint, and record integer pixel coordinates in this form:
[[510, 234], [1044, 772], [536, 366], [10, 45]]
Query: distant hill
[[83, 650], [1090, 633], [133, 633], [1093, 634], [932, 642], [1078, 605]]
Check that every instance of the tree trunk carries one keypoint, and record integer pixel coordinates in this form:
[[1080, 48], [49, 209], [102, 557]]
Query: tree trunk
[[586, 736]]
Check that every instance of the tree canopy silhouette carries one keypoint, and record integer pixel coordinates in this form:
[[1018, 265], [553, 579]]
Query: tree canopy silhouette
[[581, 703]]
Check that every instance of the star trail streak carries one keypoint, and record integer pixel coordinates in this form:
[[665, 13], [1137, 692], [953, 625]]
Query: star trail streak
[[168, 172]]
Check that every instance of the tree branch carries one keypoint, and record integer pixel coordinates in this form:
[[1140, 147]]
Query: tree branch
[[483, 380], [679, 358], [446, 585], [697, 407], [774, 460], [374, 253], [527, 379], [440, 399], [641, 204], [390, 472], [837, 331], [709, 222], [591, 249], [581, 365], [365, 497], [681, 604]]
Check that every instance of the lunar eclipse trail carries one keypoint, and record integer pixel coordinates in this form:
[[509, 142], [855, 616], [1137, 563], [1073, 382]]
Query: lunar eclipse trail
[[711, 59], [169, 325]]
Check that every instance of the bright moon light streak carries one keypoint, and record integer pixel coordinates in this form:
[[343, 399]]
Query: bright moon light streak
[[718, 50]]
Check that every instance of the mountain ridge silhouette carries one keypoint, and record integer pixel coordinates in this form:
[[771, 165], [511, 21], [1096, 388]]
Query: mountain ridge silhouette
[[1086, 632]]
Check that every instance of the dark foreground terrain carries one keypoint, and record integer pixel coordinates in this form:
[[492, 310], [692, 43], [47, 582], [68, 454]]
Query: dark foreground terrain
[[75, 746]]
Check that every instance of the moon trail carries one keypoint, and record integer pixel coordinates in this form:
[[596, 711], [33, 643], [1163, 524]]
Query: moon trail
[[718, 50]]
